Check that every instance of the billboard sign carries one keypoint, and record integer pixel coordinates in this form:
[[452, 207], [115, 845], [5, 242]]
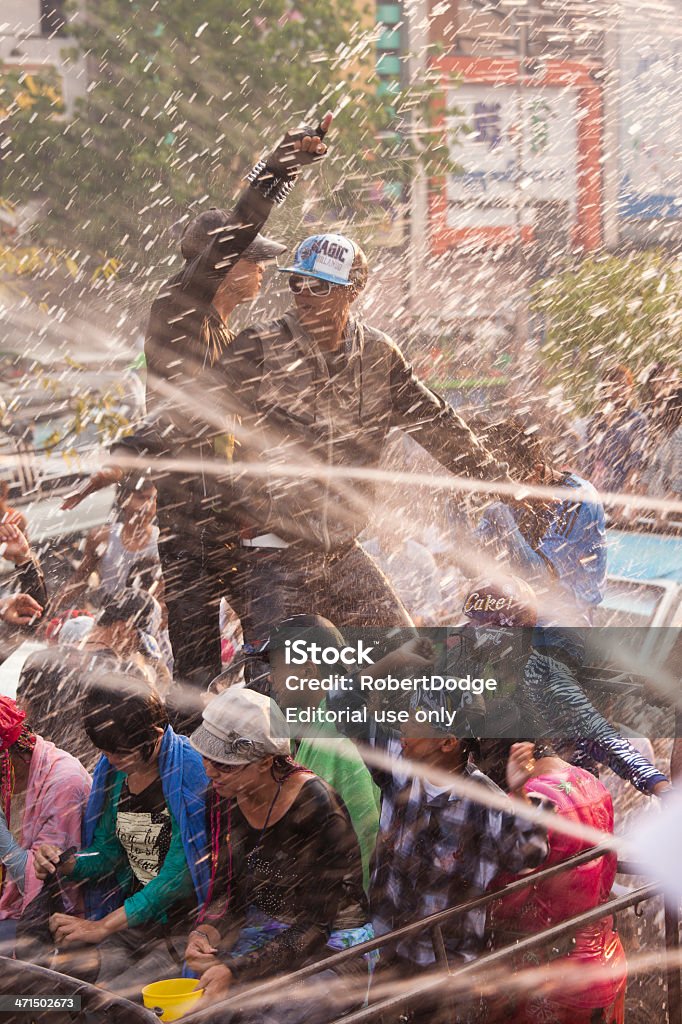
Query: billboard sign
[[516, 146], [650, 136]]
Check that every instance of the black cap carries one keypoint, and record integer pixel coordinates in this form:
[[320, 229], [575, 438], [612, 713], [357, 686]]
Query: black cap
[[200, 232], [311, 628]]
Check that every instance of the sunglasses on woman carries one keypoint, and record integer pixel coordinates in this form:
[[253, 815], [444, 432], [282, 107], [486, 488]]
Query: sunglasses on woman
[[314, 285], [225, 769]]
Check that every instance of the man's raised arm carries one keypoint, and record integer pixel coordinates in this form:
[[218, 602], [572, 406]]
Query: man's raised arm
[[270, 182]]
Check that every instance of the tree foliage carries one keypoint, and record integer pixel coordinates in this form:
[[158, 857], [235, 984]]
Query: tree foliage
[[609, 309], [182, 97]]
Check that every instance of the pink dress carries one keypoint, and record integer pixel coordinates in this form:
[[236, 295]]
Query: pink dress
[[580, 797]]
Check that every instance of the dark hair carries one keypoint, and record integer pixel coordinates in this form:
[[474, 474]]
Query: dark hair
[[283, 765], [132, 485], [123, 714], [518, 443], [134, 607], [143, 574]]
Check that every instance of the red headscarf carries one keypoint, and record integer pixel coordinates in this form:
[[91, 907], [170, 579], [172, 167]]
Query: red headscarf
[[12, 729], [11, 722]]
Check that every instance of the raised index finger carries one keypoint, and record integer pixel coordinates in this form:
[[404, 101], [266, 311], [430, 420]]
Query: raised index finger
[[325, 123]]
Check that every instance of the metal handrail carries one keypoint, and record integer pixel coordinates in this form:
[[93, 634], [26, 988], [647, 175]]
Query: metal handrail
[[431, 922], [121, 1010], [483, 963], [17, 975]]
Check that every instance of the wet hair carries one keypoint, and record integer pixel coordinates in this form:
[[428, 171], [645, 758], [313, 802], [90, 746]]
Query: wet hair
[[121, 714], [518, 443], [133, 607], [283, 765], [359, 271], [131, 485]]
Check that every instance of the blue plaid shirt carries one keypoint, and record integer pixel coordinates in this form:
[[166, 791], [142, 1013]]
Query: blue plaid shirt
[[437, 849]]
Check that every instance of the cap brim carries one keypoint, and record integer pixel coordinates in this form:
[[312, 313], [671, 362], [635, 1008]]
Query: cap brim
[[213, 748], [319, 277], [263, 249]]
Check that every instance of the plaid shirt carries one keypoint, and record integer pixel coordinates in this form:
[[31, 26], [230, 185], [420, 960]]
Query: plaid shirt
[[436, 849]]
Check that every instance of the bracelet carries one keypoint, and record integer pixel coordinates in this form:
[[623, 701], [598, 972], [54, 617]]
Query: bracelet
[[270, 185], [200, 931]]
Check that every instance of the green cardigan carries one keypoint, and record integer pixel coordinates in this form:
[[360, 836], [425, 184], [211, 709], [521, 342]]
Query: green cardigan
[[151, 903]]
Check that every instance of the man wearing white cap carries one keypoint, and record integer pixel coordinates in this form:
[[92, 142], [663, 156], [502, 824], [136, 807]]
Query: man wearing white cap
[[316, 393]]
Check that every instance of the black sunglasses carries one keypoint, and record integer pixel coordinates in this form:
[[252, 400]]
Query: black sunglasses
[[225, 769], [314, 285]]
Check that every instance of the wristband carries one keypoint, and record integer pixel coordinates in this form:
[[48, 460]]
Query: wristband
[[271, 186]]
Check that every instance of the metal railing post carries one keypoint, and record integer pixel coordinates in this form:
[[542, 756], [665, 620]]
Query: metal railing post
[[672, 973], [439, 946]]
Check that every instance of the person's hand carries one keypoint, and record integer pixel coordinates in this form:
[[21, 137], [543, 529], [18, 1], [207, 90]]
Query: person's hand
[[14, 545], [663, 789], [520, 766], [71, 931], [216, 983], [74, 498], [20, 610], [13, 518], [201, 950], [46, 859], [298, 149], [415, 653], [410, 656]]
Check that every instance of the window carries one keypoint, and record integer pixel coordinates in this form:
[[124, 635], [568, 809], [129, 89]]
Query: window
[[52, 18]]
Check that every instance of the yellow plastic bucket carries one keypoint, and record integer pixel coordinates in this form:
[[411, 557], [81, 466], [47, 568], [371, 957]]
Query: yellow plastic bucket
[[175, 997]]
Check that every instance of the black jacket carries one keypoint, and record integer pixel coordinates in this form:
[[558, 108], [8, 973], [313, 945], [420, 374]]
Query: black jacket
[[301, 431]]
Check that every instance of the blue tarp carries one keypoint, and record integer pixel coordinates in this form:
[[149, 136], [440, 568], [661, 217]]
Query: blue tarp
[[644, 556]]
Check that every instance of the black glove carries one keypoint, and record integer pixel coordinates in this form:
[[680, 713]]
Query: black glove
[[274, 177], [285, 161]]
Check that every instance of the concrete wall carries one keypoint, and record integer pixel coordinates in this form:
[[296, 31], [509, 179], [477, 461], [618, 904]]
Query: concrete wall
[[23, 46], [19, 17]]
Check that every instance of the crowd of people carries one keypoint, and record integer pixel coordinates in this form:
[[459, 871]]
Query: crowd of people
[[159, 814]]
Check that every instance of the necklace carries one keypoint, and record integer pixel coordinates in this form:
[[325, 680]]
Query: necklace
[[258, 842]]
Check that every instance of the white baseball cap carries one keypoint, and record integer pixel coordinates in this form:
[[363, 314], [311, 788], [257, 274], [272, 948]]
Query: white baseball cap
[[327, 257]]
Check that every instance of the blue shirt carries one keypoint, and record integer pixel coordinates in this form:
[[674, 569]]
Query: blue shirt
[[571, 552], [614, 450]]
